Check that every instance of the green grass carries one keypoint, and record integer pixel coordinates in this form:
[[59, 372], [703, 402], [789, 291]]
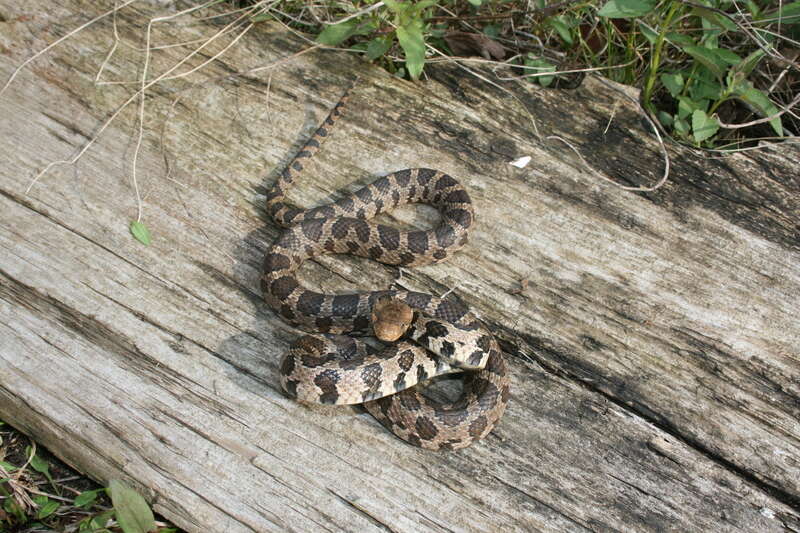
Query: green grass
[[704, 67]]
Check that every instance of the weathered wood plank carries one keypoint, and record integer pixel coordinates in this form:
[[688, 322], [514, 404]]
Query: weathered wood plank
[[656, 379]]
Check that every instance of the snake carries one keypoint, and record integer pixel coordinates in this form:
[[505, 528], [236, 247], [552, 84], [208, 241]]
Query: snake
[[427, 336]]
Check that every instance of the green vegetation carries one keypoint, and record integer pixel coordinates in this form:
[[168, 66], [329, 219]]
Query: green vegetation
[[704, 67], [34, 498]]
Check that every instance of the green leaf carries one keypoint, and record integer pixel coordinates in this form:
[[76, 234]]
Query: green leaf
[[673, 82], [714, 18], [86, 498], [708, 59], [788, 14], [749, 63], [705, 87], [476, 3], [727, 56], [377, 47], [37, 463], [424, 4], [50, 507], [679, 39], [665, 119], [141, 232], [687, 106], [8, 466], [132, 512], [101, 520], [541, 66], [404, 9], [762, 103], [648, 32], [623, 9], [703, 126], [366, 28], [40, 465], [559, 24], [336, 33], [753, 8], [413, 44]]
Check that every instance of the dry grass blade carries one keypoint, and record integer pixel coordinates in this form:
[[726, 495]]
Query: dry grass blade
[[145, 85]]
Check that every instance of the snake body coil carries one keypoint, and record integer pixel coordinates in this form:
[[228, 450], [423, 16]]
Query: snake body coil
[[442, 337]]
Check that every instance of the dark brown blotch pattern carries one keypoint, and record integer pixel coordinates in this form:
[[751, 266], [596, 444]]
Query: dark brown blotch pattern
[[318, 231]]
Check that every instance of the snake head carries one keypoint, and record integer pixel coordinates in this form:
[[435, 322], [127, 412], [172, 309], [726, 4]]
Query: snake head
[[391, 318]]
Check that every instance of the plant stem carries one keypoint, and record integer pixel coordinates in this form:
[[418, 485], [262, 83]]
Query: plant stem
[[655, 61]]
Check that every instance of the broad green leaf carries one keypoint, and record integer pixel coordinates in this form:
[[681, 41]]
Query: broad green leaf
[[679, 39], [623, 9], [397, 7], [47, 509], [132, 512], [262, 17], [705, 89], [749, 63], [714, 18], [787, 14], [703, 126], [687, 106], [8, 466], [101, 520], [336, 33], [762, 103], [377, 47], [673, 82], [40, 465], [365, 28], [665, 119], [727, 56], [562, 28], [37, 463], [475, 3], [86, 498], [141, 232], [648, 32], [413, 44], [708, 59], [541, 66]]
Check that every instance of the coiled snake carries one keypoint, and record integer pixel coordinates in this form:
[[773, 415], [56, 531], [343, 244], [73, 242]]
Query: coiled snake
[[437, 336]]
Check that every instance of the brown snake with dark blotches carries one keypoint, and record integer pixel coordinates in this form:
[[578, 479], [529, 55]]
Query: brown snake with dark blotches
[[439, 336]]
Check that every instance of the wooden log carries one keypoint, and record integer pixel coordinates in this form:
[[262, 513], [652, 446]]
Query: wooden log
[[654, 352]]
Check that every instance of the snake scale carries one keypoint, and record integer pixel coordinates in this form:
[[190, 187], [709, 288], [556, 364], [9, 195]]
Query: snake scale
[[439, 336]]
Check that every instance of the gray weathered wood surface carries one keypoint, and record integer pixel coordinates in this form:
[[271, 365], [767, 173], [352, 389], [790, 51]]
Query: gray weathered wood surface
[[656, 376]]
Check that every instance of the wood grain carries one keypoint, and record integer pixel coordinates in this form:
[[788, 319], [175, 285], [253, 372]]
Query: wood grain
[[654, 352]]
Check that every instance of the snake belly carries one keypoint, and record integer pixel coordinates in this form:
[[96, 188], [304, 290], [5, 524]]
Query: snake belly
[[445, 337]]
